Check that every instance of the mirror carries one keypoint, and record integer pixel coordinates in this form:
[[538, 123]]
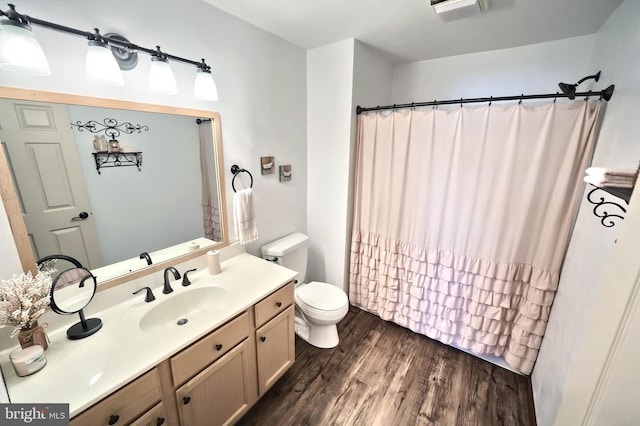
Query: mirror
[[71, 292], [124, 185]]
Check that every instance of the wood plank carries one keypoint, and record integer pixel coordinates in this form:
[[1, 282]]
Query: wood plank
[[383, 374]]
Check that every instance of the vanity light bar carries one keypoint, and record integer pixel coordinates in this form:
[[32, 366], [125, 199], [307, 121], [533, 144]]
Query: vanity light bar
[[26, 21]]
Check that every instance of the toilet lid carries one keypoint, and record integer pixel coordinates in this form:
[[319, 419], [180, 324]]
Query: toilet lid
[[322, 296]]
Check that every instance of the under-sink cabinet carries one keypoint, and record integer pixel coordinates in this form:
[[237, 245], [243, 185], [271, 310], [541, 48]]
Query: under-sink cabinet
[[275, 338], [215, 380], [220, 395], [275, 349]]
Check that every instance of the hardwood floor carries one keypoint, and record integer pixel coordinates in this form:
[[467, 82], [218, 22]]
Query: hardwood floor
[[383, 374]]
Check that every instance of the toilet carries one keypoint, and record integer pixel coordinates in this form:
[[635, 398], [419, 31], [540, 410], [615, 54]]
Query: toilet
[[319, 306]]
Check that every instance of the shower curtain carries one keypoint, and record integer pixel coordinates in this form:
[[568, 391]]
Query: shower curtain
[[462, 219], [211, 214]]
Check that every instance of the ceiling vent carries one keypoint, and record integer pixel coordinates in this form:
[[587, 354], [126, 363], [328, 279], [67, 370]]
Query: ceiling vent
[[451, 10]]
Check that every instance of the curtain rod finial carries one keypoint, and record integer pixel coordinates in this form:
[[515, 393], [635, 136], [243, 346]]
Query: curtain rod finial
[[608, 92]]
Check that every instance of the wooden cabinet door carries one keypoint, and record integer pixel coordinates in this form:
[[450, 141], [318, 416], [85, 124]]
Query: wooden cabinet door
[[219, 394], [275, 348]]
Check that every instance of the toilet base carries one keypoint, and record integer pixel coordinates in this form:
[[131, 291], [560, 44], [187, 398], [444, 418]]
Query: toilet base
[[320, 336]]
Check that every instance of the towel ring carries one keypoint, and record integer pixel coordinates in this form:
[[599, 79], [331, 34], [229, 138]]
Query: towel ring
[[236, 171]]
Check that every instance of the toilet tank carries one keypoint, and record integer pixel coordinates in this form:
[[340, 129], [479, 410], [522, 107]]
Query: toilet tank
[[291, 252]]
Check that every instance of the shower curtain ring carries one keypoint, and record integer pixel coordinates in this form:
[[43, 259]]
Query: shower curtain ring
[[461, 99], [521, 96], [490, 100], [435, 104], [555, 98]]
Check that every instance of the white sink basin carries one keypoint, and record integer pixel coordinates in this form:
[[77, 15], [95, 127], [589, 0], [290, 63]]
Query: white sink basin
[[192, 305]]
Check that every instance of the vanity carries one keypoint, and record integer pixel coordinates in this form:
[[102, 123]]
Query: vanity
[[200, 355], [142, 368]]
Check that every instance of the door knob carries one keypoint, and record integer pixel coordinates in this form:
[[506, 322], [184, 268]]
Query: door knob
[[81, 216]]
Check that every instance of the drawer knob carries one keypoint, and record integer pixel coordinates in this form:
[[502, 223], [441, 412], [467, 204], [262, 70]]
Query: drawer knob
[[218, 347], [278, 304], [263, 339], [160, 421], [113, 419], [186, 400]]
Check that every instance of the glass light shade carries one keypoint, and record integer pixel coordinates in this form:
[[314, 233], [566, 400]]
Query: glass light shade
[[204, 87], [161, 78], [20, 51], [101, 66]]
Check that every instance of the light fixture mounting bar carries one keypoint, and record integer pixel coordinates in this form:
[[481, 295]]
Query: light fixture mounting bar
[[12, 14]]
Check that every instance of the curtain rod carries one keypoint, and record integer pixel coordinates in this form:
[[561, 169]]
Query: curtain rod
[[603, 94]]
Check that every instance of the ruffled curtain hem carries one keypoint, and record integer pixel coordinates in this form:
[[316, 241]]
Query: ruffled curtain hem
[[482, 305]]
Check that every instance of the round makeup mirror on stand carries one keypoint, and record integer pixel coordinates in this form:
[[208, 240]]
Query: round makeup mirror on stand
[[72, 290]]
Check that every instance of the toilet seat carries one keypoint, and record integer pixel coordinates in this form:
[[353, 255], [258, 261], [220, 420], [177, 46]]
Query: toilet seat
[[321, 297]]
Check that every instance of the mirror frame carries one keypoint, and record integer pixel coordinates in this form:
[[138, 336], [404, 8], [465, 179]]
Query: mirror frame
[[10, 198]]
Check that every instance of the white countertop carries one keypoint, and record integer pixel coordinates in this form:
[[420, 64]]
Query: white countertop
[[81, 372]]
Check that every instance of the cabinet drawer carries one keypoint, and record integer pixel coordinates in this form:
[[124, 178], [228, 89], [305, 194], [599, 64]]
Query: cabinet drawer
[[196, 357], [124, 405], [153, 417], [273, 304]]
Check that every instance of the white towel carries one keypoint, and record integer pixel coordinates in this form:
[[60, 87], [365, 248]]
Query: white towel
[[602, 182], [610, 173], [244, 217]]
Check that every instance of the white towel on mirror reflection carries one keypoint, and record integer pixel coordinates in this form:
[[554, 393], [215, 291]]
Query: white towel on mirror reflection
[[244, 217]]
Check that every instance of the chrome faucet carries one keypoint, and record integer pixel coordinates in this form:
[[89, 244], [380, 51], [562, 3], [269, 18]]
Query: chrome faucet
[[167, 288], [145, 255]]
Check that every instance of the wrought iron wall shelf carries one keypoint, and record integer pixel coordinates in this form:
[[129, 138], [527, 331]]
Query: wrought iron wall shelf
[[601, 208], [117, 159]]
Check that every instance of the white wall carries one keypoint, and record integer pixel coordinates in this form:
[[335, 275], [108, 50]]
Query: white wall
[[329, 101], [590, 286], [339, 77], [537, 68], [261, 81]]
